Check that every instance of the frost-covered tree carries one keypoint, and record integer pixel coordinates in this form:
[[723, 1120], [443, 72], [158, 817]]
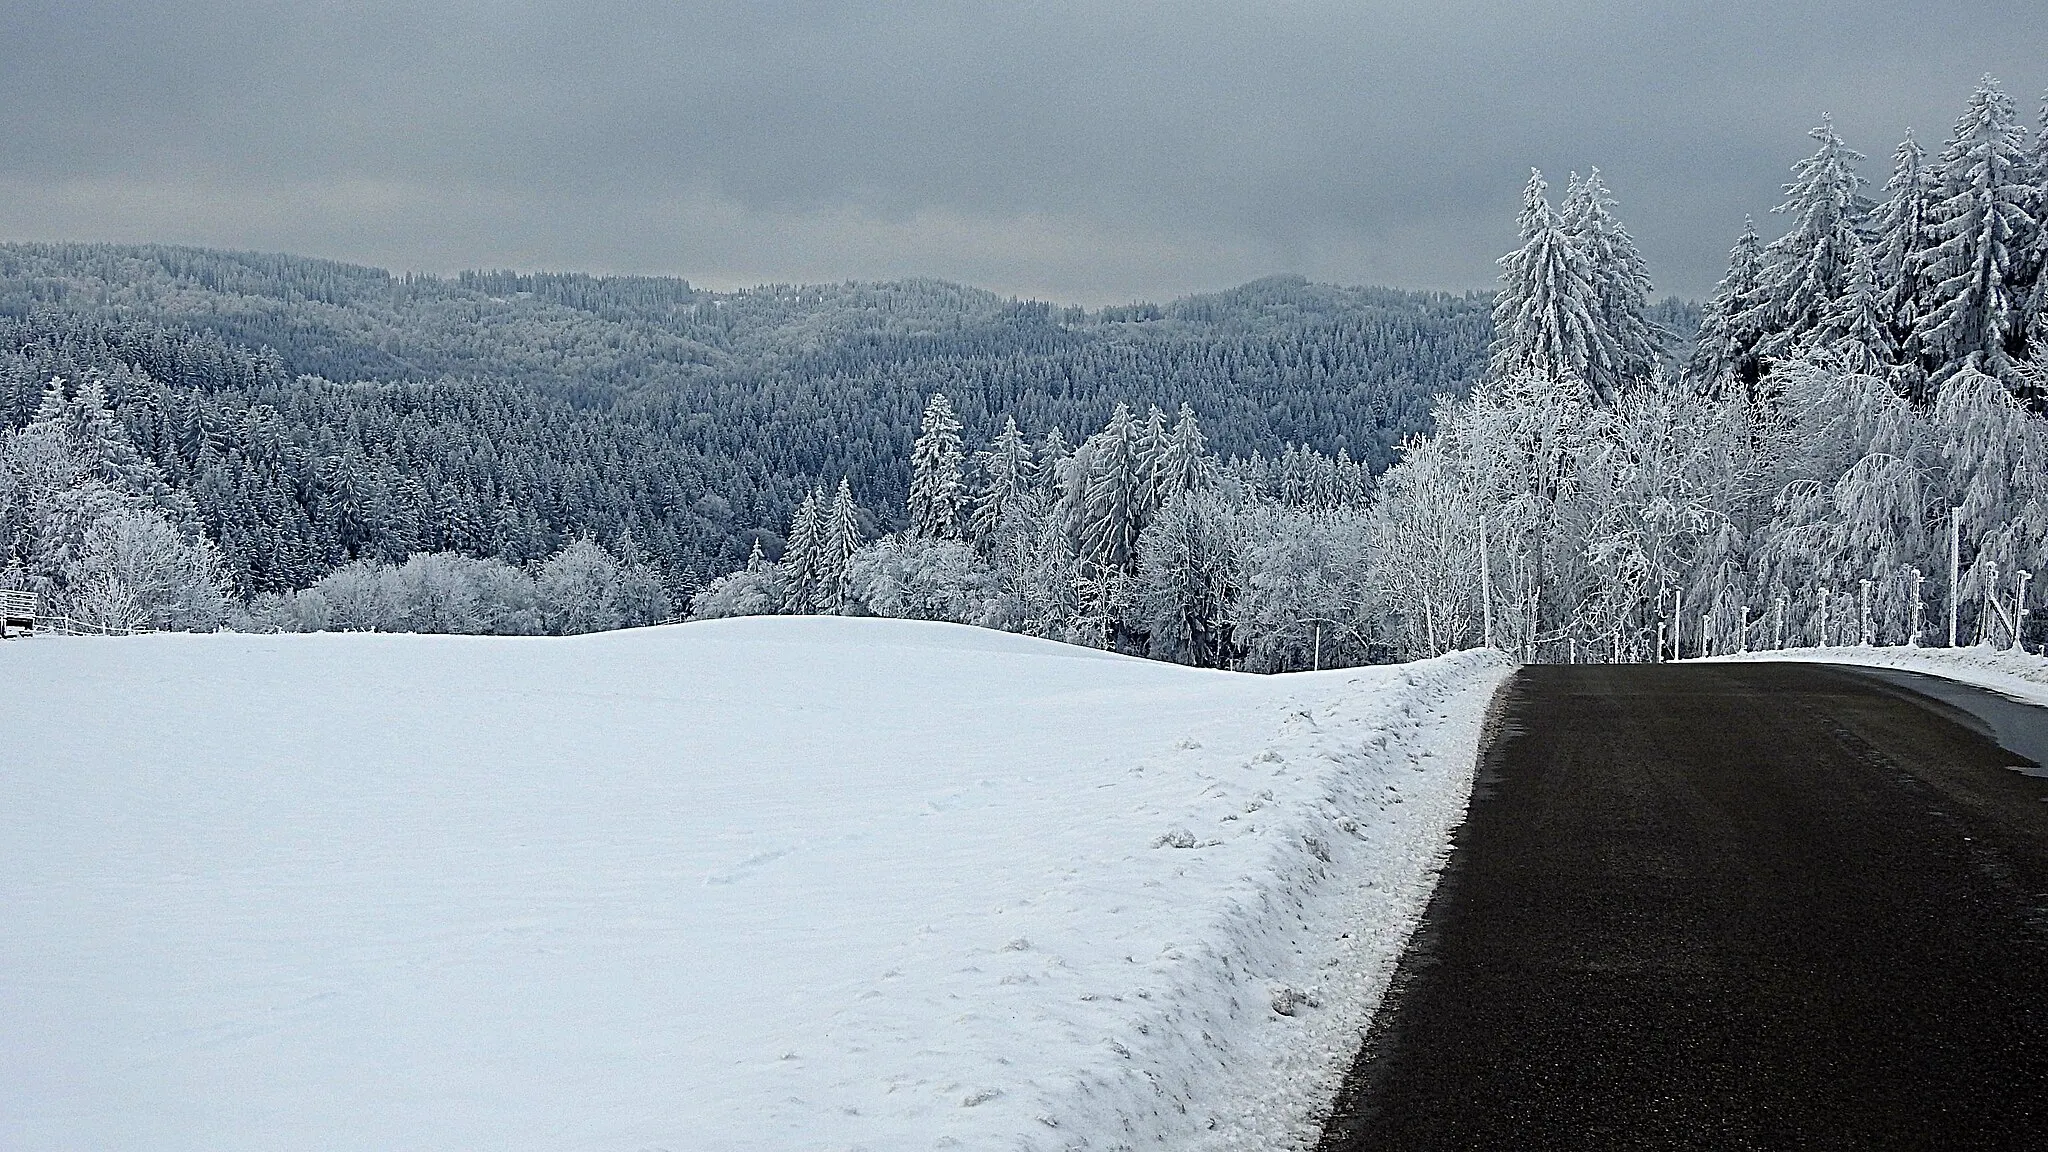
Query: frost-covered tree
[[1008, 473], [759, 589], [1185, 464], [801, 556], [838, 539], [1904, 234], [1110, 511], [137, 571], [1855, 325], [1621, 284], [937, 496], [1733, 324], [91, 524], [1808, 269], [920, 578], [1546, 317], [585, 588], [1423, 538], [1303, 599], [1187, 581], [1982, 232]]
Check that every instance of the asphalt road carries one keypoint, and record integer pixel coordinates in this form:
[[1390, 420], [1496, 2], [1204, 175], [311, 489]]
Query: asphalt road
[[1721, 907]]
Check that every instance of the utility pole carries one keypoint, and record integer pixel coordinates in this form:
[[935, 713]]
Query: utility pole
[[1863, 636], [1742, 638], [1955, 568], [1486, 580], [1678, 623], [1316, 661], [1706, 621], [2019, 610], [1914, 639]]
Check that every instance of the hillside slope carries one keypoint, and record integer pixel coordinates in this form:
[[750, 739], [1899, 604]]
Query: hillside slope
[[780, 883]]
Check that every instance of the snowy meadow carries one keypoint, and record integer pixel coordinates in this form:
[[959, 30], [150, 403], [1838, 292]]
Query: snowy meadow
[[772, 883]]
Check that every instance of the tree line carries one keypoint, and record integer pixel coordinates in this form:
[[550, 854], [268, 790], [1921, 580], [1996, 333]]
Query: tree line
[[1853, 452]]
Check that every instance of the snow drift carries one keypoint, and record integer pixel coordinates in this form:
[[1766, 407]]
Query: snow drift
[[772, 883], [2020, 675]]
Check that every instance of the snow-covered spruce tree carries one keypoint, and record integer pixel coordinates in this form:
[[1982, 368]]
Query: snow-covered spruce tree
[[838, 539], [2037, 265], [1546, 318], [1733, 323], [1152, 440], [1054, 456], [1855, 326], [1621, 284], [937, 497], [1110, 512], [1185, 464], [1807, 270], [1903, 229], [1982, 231], [800, 556], [1007, 475]]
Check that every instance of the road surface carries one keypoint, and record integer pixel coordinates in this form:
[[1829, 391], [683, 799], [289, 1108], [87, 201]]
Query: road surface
[[1725, 906]]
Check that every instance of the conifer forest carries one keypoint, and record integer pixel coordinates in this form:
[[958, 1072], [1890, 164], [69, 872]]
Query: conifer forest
[[1846, 444]]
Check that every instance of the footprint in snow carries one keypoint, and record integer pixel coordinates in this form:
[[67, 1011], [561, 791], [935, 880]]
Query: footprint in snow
[[747, 867]]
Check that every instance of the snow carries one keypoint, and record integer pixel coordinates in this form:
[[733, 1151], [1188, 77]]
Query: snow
[[770, 883], [2019, 675]]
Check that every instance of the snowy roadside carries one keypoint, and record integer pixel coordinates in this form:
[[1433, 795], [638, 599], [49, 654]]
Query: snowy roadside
[[1407, 765], [767, 884], [2017, 674]]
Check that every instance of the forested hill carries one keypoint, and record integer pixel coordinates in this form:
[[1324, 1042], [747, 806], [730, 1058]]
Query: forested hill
[[318, 411]]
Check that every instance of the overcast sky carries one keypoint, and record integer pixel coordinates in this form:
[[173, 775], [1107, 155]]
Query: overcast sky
[[1083, 152]]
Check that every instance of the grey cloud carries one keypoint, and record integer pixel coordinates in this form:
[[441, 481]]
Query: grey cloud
[[1074, 150]]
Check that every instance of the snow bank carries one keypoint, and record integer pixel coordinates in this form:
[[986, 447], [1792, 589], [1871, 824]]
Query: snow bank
[[755, 884], [2016, 674]]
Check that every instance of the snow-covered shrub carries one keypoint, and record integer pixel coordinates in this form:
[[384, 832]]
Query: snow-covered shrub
[[757, 590], [586, 589], [451, 593], [136, 571], [920, 578]]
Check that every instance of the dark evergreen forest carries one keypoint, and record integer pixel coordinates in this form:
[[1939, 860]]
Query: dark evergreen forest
[[318, 412]]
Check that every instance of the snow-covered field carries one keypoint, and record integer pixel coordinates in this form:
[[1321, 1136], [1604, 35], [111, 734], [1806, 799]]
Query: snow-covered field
[[2017, 674], [776, 883]]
